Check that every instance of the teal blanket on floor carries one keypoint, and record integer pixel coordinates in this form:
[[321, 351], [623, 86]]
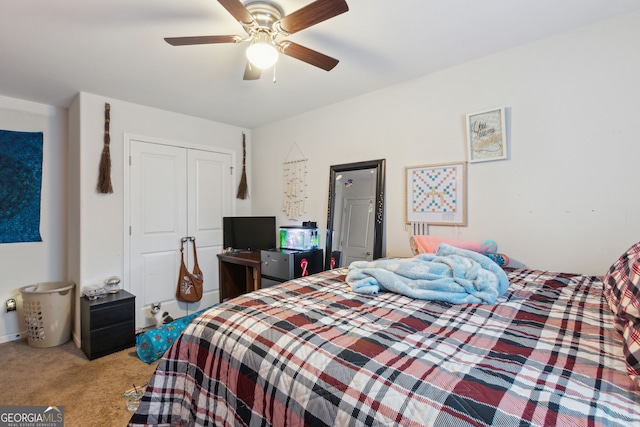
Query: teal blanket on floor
[[455, 275], [152, 344]]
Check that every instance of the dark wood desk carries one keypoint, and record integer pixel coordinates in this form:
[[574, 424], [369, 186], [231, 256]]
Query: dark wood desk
[[239, 273]]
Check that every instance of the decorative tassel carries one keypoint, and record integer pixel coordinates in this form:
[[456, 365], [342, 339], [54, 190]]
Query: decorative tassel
[[243, 190], [104, 174]]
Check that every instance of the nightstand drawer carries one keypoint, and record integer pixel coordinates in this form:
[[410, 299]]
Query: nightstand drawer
[[113, 338], [111, 314]]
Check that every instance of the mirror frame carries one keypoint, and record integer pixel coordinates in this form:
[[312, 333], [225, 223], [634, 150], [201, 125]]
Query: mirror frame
[[378, 226]]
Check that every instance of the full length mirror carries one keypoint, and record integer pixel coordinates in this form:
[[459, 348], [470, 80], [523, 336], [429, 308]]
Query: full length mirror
[[355, 219]]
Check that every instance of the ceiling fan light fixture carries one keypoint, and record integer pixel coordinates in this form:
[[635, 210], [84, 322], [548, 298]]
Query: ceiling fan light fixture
[[264, 22], [262, 55], [262, 52]]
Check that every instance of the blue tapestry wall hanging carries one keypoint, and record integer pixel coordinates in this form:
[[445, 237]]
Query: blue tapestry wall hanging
[[20, 185]]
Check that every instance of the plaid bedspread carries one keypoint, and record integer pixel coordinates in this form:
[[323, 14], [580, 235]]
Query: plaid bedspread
[[313, 353]]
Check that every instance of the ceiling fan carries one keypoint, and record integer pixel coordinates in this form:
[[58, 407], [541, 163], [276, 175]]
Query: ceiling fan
[[264, 23]]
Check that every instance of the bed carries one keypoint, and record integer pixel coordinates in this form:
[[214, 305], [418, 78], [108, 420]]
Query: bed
[[311, 352]]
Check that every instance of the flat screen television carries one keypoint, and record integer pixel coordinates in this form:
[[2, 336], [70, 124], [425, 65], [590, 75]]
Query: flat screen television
[[249, 232]]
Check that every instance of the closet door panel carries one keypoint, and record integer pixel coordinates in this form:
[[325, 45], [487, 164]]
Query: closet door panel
[[210, 199], [158, 191]]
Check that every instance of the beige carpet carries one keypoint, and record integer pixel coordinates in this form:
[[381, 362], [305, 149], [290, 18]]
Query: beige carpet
[[90, 391]]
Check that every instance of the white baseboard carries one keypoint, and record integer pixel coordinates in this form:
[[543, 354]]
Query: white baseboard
[[76, 339], [13, 337]]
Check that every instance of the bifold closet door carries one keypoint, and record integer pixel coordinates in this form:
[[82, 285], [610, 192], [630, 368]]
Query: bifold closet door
[[210, 197], [175, 192]]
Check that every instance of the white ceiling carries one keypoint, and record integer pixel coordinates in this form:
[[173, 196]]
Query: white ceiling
[[53, 49]]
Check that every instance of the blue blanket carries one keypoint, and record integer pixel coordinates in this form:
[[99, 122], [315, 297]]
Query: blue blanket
[[152, 344], [451, 274]]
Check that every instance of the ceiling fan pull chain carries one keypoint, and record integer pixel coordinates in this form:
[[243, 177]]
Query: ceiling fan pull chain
[[274, 73]]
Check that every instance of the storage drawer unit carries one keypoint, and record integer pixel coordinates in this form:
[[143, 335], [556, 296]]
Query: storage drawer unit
[[107, 324], [280, 265]]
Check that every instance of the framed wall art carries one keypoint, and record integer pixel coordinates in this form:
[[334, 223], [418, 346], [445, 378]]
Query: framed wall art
[[486, 135], [435, 194]]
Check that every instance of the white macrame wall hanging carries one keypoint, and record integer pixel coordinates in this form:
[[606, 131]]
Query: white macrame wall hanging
[[294, 174]]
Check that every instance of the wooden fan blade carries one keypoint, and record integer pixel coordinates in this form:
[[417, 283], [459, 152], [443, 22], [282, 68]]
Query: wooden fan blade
[[307, 55], [311, 14], [237, 10], [251, 72], [185, 41]]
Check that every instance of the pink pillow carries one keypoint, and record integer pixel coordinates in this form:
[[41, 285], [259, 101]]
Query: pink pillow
[[425, 244], [622, 291]]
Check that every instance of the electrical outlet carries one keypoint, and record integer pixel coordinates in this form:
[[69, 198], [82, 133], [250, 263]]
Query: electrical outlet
[[11, 305]]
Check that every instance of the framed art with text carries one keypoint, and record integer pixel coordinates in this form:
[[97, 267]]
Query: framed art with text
[[435, 194], [486, 135]]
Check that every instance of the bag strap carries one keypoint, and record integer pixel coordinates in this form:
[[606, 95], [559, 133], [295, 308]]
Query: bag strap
[[184, 240], [195, 252], [196, 267]]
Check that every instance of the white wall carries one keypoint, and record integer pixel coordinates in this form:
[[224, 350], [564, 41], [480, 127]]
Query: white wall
[[82, 230], [98, 219], [22, 264], [565, 200]]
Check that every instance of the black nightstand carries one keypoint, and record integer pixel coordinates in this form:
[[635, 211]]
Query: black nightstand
[[107, 324]]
